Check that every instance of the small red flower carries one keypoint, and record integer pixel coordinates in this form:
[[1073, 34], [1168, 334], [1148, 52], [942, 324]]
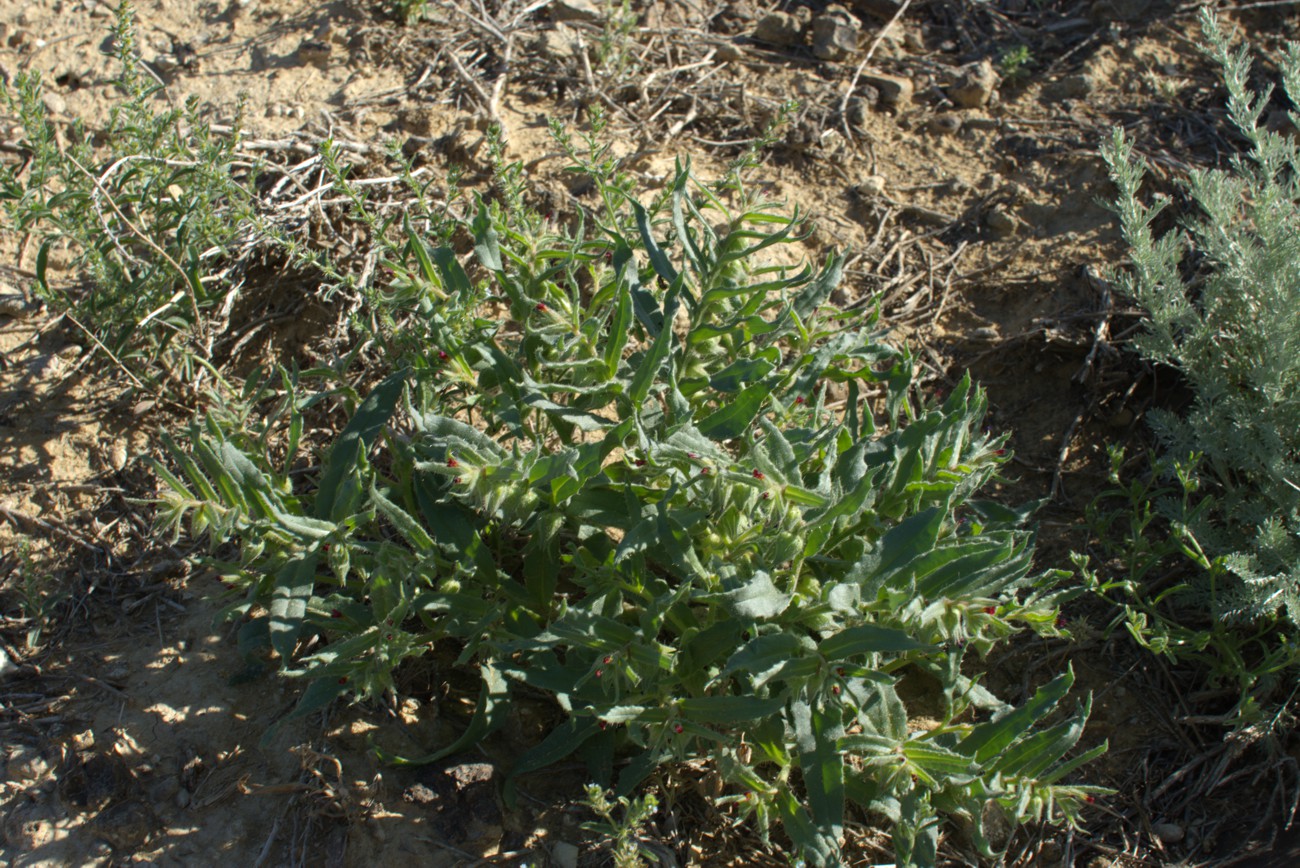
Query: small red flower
[[442, 356], [640, 462], [990, 610], [335, 613], [692, 455], [999, 452], [677, 728], [758, 474], [452, 462], [388, 637], [839, 670], [704, 471], [600, 672], [799, 400], [1060, 623], [326, 547], [604, 725], [343, 680], [456, 481], [541, 307], [1089, 799], [767, 495], [608, 659]]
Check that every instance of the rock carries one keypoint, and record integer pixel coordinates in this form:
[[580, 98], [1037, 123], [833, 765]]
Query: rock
[[894, 90], [1070, 87], [856, 110], [873, 187], [54, 103], [1169, 833], [564, 855], [729, 51], [575, 10], [1000, 223], [975, 86], [29, 826], [779, 28], [943, 125], [835, 34]]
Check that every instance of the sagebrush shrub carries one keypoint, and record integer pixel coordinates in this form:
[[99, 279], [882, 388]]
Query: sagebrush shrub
[[1223, 293], [609, 467]]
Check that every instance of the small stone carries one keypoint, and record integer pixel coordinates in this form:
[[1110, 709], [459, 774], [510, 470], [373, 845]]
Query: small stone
[[873, 187], [779, 28], [835, 35], [1070, 87], [29, 826], [54, 103], [564, 855], [943, 125], [1000, 223], [975, 86], [575, 10], [729, 51], [856, 110], [315, 52], [1169, 833], [117, 455], [894, 90]]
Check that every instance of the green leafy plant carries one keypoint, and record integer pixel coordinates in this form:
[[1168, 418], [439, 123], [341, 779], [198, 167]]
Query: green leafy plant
[[613, 470], [1142, 528], [1221, 293], [621, 831], [146, 216], [1014, 62]]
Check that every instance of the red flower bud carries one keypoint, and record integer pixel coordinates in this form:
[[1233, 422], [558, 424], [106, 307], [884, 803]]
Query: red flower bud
[[758, 474], [600, 672], [692, 455], [604, 725], [835, 689], [1060, 623], [452, 462], [1089, 799], [677, 728], [335, 613], [704, 471], [990, 610], [767, 495], [343, 680], [442, 356], [640, 462], [999, 452], [541, 307], [608, 659], [799, 400], [456, 481]]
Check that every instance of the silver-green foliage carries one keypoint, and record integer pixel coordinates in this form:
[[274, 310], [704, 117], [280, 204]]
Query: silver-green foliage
[[1223, 292], [626, 489], [148, 206]]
